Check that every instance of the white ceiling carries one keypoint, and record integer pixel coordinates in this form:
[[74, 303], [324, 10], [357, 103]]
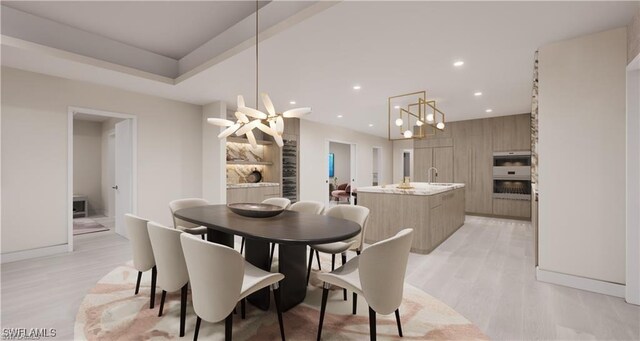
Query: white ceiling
[[169, 28], [388, 48]]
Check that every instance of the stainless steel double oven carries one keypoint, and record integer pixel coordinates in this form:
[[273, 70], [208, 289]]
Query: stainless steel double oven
[[512, 175]]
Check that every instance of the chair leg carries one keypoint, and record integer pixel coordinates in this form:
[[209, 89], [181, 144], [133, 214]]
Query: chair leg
[[195, 333], [243, 308], [202, 236], [344, 260], [228, 327], [358, 252], [372, 324], [242, 245], [138, 282], [310, 263], [318, 259], [323, 307], [398, 322], [333, 262], [276, 298], [164, 295], [273, 248], [183, 308], [355, 303], [154, 275]]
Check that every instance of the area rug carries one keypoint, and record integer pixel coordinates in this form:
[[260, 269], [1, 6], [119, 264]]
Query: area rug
[[110, 311], [86, 225]]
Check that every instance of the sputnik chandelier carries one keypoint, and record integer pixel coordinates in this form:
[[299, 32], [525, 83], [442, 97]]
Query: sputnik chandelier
[[245, 126], [413, 116]]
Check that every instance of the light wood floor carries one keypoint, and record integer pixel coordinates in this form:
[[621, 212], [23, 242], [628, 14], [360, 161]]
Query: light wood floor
[[485, 271]]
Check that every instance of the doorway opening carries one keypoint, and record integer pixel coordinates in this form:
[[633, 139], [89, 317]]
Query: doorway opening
[[101, 172], [376, 166], [341, 172]]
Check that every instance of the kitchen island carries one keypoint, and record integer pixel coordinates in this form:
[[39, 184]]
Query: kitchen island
[[434, 211]]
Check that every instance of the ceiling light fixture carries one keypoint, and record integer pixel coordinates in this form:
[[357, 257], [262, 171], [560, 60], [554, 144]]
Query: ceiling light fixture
[[370, 124], [356, 87], [339, 116], [458, 63], [489, 110], [477, 93], [292, 102], [419, 119], [244, 126]]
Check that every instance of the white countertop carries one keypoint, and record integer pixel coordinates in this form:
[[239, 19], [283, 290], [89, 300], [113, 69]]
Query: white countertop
[[420, 188], [252, 185]]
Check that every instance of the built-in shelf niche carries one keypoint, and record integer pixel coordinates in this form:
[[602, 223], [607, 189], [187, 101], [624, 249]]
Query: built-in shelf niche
[[242, 159]]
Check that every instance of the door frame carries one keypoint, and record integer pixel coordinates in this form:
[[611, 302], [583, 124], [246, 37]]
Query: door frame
[[380, 163], [353, 169], [71, 111]]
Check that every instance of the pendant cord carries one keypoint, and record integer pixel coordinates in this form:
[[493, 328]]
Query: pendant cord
[[257, 63]]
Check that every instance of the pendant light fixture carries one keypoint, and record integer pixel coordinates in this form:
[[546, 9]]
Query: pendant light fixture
[[245, 126], [413, 116]]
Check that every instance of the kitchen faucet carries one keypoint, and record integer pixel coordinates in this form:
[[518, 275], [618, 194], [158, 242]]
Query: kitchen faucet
[[429, 174]]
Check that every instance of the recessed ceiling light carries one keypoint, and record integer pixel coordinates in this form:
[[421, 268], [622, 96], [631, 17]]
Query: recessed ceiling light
[[477, 93], [292, 102], [339, 116], [356, 87], [397, 107], [488, 110], [458, 63], [370, 124]]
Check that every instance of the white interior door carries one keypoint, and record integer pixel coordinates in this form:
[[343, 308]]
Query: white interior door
[[111, 174], [123, 169]]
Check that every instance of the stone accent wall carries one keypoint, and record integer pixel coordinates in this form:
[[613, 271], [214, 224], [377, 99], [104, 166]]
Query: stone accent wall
[[534, 123]]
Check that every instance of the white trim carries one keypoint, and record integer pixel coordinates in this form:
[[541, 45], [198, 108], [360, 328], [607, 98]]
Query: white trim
[[33, 253], [583, 283], [71, 111]]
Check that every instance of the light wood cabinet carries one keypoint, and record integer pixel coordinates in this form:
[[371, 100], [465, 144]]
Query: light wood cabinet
[[440, 157], [433, 218], [473, 163], [511, 133], [512, 208], [252, 194]]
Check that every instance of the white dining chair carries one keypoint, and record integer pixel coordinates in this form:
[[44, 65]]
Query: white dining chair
[[143, 259], [220, 278], [377, 274], [357, 214], [183, 225], [282, 202], [173, 275]]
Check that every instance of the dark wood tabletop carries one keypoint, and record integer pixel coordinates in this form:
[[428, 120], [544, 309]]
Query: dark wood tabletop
[[289, 227]]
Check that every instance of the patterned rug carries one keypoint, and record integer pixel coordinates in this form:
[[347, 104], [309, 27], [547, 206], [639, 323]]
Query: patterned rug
[[86, 225], [111, 311]]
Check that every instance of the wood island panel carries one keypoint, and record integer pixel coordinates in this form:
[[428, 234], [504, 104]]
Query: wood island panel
[[432, 217]]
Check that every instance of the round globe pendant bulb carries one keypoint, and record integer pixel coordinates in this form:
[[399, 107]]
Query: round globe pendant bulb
[[419, 123], [430, 118], [399, 122], [407, 134], [440, 125]]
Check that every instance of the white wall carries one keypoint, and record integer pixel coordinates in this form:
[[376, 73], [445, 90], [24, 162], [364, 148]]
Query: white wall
[[87, 163], [399, 147], [34, 153], [214, 155], [582, 156], [342, 161], [314, 160]]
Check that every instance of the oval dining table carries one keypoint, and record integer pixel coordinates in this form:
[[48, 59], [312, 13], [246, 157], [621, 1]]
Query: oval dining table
[[293, 231]]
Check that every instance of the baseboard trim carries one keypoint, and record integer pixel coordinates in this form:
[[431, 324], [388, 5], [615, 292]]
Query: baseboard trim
[[582, 283], [33, 253]]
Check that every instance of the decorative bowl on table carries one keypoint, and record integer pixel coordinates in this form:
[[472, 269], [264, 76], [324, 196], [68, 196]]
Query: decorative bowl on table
[[252, 210]]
